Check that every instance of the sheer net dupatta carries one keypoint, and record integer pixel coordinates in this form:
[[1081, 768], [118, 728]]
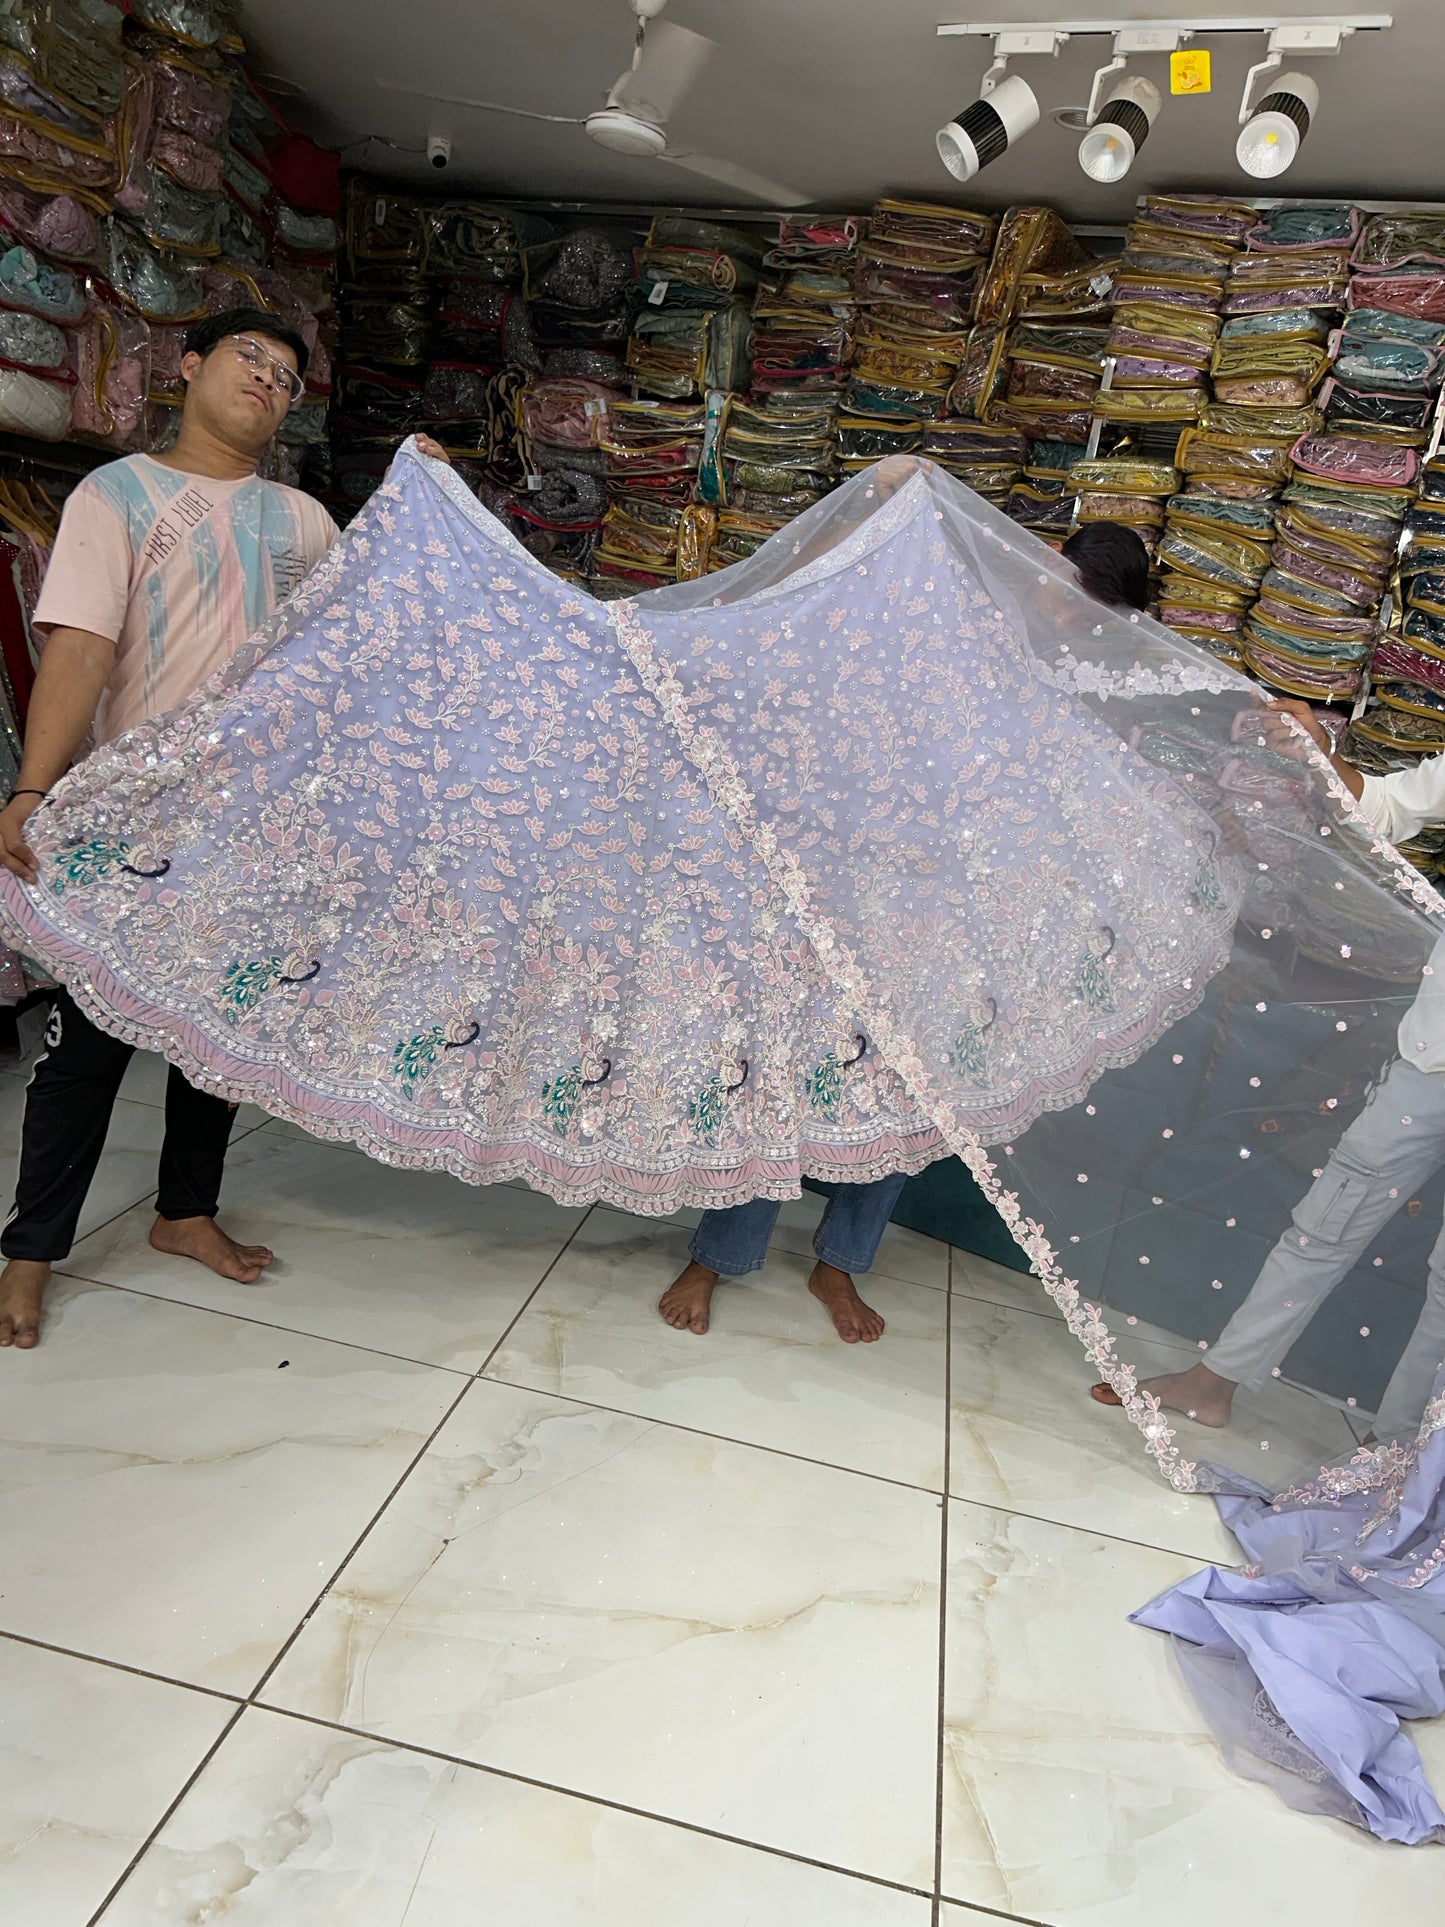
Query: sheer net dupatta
[[1099, 927]]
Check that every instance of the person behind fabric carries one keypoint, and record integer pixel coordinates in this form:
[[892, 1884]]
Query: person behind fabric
[[162, 568], [1393, 1146], [1112, 564]]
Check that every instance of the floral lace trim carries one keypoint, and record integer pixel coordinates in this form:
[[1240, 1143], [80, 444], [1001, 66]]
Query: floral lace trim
[[725, 782], [1077, 677]]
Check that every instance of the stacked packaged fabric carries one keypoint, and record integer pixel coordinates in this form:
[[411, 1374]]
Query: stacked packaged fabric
[[692, 309], [1042, 498], [805, 308], [1052, 381], [384, 339], [1168, 295], [1035, 246], [122, 139], [1234, 455], [917, 279], [988, 458], [1353, 467], [1126, 488], [576, 284], [1406, 718], [778, 452]]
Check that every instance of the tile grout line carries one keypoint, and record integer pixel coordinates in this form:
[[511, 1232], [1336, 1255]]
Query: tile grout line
[[371, 1524], [296, 1631], [120, 1666], [145, 1846], [943, 1602], [592, 1799]]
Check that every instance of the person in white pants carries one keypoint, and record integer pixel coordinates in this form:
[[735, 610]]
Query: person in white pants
[[1392, 1147]]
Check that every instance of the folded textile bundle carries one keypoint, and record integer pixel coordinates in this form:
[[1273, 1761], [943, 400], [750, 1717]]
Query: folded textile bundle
[[1034, 247], [741, 532], [568, 412], [1042, 498], [483, 325], [469, 240], [1407, 671], [802, 335], [1221, 550], [1052, 375], [655, 443], [1125, 488], [71, 46], [783, 445], [988, 459], [865, 439], [916, 282], [804, 309]]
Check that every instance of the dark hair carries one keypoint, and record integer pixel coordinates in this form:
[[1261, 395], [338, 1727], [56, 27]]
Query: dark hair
[[216, 328], [1112, 562]]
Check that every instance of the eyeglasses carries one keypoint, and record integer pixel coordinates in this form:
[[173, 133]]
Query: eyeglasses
[[256, 358]]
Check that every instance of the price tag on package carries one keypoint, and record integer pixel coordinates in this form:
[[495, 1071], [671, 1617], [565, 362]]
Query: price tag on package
[[1189, 71]]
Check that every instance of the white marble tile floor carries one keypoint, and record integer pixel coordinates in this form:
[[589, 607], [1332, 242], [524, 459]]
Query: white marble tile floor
[[435, 1580]]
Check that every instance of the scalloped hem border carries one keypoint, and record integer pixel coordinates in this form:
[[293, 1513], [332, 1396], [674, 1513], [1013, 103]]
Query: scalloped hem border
[[114, 1007]]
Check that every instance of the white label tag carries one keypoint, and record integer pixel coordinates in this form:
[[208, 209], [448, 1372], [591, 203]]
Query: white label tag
[[592, 408], [534, 481], [378, 213], [1101, 284], [659, 293]]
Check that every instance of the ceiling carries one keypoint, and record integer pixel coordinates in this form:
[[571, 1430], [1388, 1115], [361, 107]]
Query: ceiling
[[838, 97]]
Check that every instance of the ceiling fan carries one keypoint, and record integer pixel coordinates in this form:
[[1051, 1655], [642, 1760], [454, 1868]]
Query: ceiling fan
[[666, 61]]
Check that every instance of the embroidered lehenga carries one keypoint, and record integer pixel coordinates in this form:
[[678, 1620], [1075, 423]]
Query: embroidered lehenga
[[883, 844]]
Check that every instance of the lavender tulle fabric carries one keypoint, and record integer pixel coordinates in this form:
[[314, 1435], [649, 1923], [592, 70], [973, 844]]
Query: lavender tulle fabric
[[885, 843]]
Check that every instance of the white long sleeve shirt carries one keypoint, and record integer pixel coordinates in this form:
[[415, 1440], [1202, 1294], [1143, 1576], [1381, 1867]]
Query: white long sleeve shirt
[[1399, 807]]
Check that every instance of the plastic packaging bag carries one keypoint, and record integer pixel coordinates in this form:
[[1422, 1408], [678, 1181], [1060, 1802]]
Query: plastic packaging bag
[[30, 343], [158, 287], [1283, 228], [53, 224], [1349, 458], [309, 237], [33, 286], [112, 365], [29, 406], [195, 23]]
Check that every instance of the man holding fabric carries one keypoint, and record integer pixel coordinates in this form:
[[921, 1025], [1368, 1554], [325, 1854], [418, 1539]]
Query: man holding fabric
[[163, 566]]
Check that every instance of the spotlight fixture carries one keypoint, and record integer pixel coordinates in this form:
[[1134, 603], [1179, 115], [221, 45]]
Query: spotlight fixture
[[1271, 128], [1270, 138], [988, 127], [1007, 107], [1107, 151]]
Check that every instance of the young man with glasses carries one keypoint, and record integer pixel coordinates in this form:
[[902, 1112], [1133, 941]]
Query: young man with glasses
[[163, 566]]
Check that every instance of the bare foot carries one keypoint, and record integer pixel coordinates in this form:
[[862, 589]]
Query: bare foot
[[1198, 1393], [204, 1240], [686, 1302], [857, 1323], [22, 1287]]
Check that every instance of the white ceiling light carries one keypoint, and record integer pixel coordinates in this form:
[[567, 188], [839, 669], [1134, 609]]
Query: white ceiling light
[[1007, 108], [1270, 138], [1107, 151], [988, 127], [1271, 131], [1118, 129]]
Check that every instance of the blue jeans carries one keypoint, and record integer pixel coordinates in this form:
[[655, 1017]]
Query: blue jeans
[[735, 1241]]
